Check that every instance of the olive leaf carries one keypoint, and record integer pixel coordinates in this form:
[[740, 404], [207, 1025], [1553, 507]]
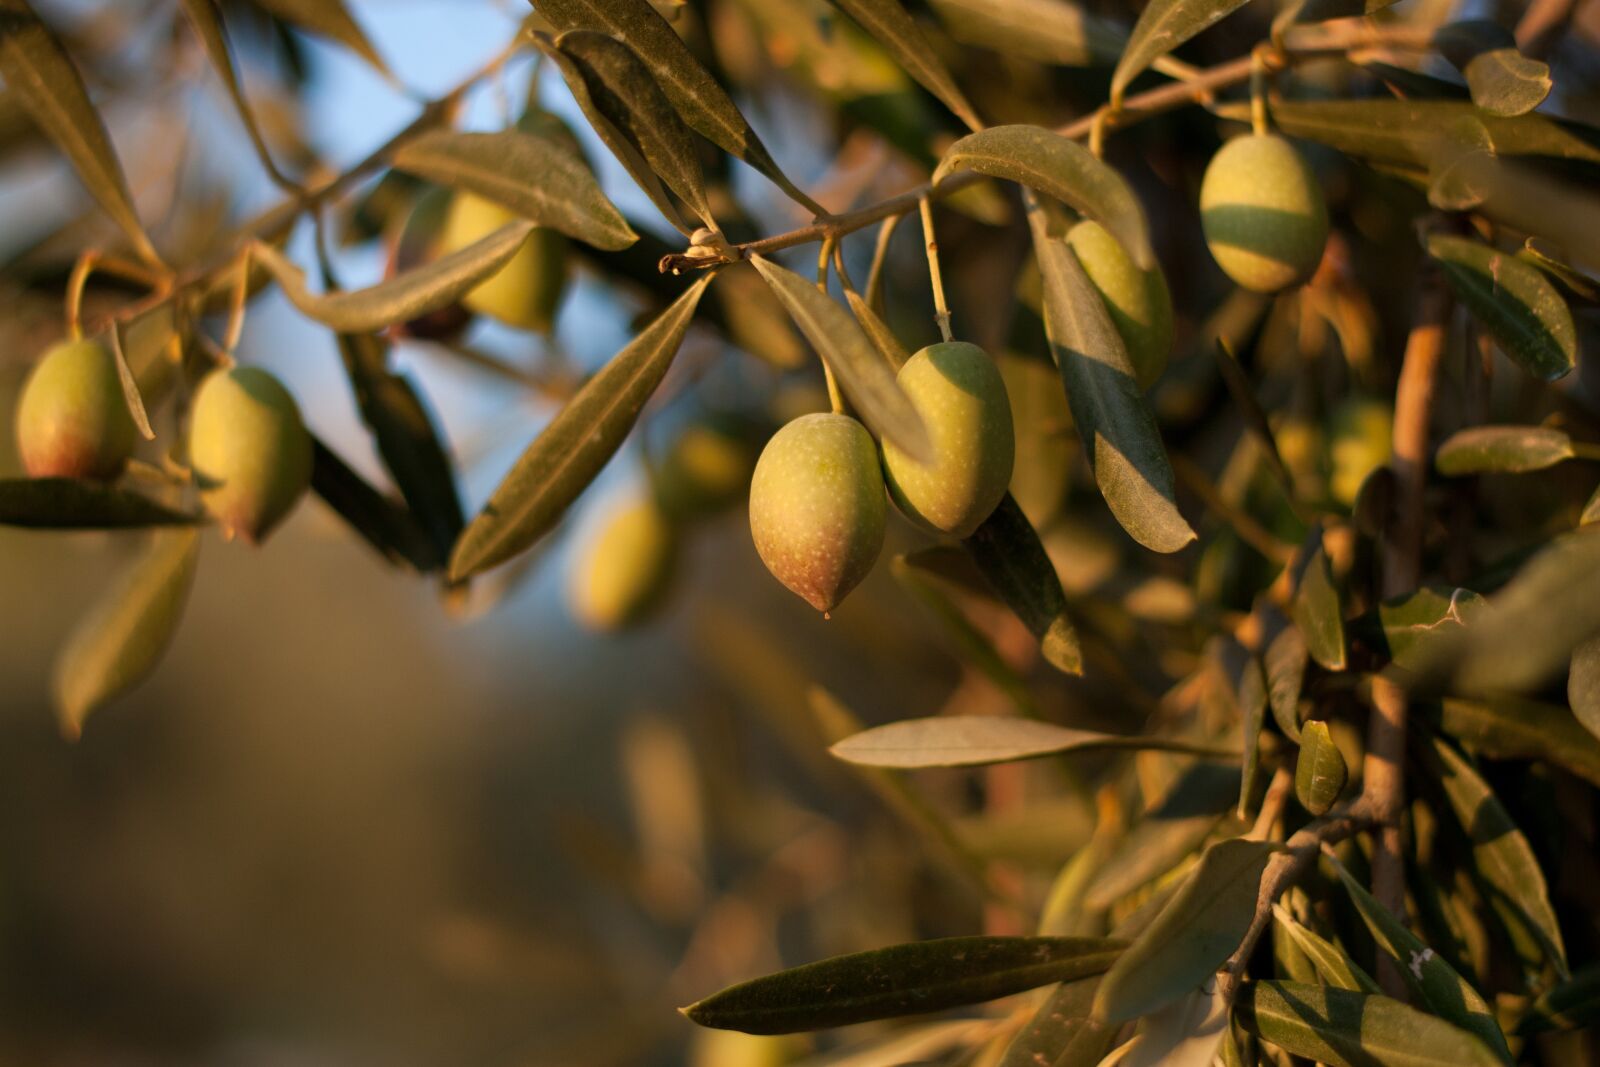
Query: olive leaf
[[1331, 962], [897, 31], [1323, 11], [1319, 770], [404, 297], [207, 21], [971, 642], [132, 397], [1583, 685], [913, 978], [1047, 31], [41, 77], [1504, 449], [1412, 624], [1115, 423], [1164, 25], [74, 504], [1184, 818], [125, 633], [537, 177], [1570, 1005], [1255, 419], [1251, 692], [1343, 1028], [702, 103], [1064, 1031], [1198, 929], [1056, 166], [1285, 664], [1503, 80], [979, 740], [330, 19], [1007, 551], [863, 375], [1317, 609], [1537, 251], [385, 525], [1186, 1033], [1506, 727], [572, 449], [1518, 305], [878, 331]]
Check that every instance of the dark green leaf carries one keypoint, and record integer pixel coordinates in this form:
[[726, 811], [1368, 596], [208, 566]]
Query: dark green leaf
[[1572, 1005], [1508, 449], [1332, 962], [330, 19], [1348, 1029], [1007, 551], [1583, 685], [1323, 10], [895, 29], [385, 525], [577, 443], [1064, 1031], [1174, 829], [908, 979], [73, 504], [1286, 670], [979, 740], [1318, 611], [1503, 80], [878, 332], [1164, 25], [1507, 727], [1319, 770], [1414, 623], [970, 641], [1047, 31], [1252, 694], [1536, 251], [207, 22], [1255, 419], [1519, 306]]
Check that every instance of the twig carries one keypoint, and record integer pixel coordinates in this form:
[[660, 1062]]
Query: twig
[[941, 310]]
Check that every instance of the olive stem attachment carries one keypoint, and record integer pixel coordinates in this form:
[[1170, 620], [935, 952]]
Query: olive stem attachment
[[941, 310], [239, 297], [880, 255], [1260, 70], [1097, 133], [76, 283]]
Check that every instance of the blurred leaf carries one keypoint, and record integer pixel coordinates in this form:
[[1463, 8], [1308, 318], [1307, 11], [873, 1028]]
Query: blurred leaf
[[1504, 861], [1571, 1005], [1186, 1033], [1413, 623], [1318, 611], [863, 375], [1583, 685], [386, 526], [77, 504], [330, 19], [979, 740], [1195, 933], [1183, 819], [971, 643], [1347, 1029], [124, 635], [1057, 166], [1577, 283], [408, 295], [1118, 429], [534, 176], [877, 331], [695, 94], [1048, 31], [1514, 301], [1252, 695], [1503, 80], [1286, 670], [1007, 551], [1505, 449], [899, 34], [577, 443], [1164, 25], [1319, 770], [1064, 1031], [131, 396], [907, 979], [1255, 419], [208, 25], [1511, 728], [1324, 10], [1332, 962], [1430, 979], [39, 74]]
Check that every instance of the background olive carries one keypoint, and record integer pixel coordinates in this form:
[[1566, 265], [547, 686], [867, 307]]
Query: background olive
[[1138, 300], [622, 573], [817, 507], [250, 450], [527, 290], [72, 419], [1263, 213], [421, 241], [1362, 441], [961, 397], [1042, 426], [706, 468]]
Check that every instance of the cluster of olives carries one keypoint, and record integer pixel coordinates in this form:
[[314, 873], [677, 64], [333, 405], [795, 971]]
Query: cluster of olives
[[248, 448]]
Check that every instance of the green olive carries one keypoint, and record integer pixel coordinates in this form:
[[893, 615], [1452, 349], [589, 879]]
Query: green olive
[[1263, 213], [706, 469], [420, 242], [817, 508], [526, 292], [961, 397], [1042, 473], [72, 419], [1138, 300], [624, 571], [1362, 440], [250, 450]]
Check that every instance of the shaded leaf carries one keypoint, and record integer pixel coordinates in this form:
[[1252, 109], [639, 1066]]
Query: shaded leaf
[[1186, 1033], [1255, 419], [386, 526], [897, 31], [1571, 1005], [124, 635], [1164, 836], [408, 295], [1333, 964], [863, 375], [1047, 31], [1319, 770], [877, 331], [1195, 933], [1164, 25], [1064, 1031], [979, 740], [1583, 685], [330, 19], [131, 396], [1348, 1029], [1503, 80], [1252, 695], [79, 504], [1057, 166], [1317, 609], [1011, 558], [1518, 305], [972, 643], [907, 979], [1506, 449], [208, 25], [578, 442], [1286, 670], [1507, 727], [1411, 624], [1323, 10], [536, 177], [1579, 284]]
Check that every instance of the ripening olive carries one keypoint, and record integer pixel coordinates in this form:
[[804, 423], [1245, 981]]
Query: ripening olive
[[1362, 441], [706, 469], [72, 419], [420, 243], [250, 451], [1138, 300], [1263, 213], [731, 1048], [817, 508], [961, 397], [622, 574], [1042, 424], [527, 290]]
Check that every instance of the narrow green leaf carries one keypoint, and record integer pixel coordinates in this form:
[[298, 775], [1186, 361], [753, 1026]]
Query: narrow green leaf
[[1064, 1031], [1430, 979], [1195, 933], [1011, 558], [536, 177], [578, 442], [40, 75], [1252, 696], [1504, 861], [1164, 25], [1572, 1005], [897, 31], [1307, 11], [1318, 610], [1250, 410], [1046, 31], [1319, 770], [1519, 306], [1504, 449], [863, 374], [404, 297], [971, 643], [1286, 671], [1057, 166], [1184, 818], [979, 740], [1347, 1029], [877, 331], [1583, 685], [1507, 727], [1115, 423], [1332, 962], [207, 21], [330, 19], [1537, 251], [131, 396], [73, 504], [385, 525], [701, 102], [907, 979], [1503, 80], [124, 635]]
